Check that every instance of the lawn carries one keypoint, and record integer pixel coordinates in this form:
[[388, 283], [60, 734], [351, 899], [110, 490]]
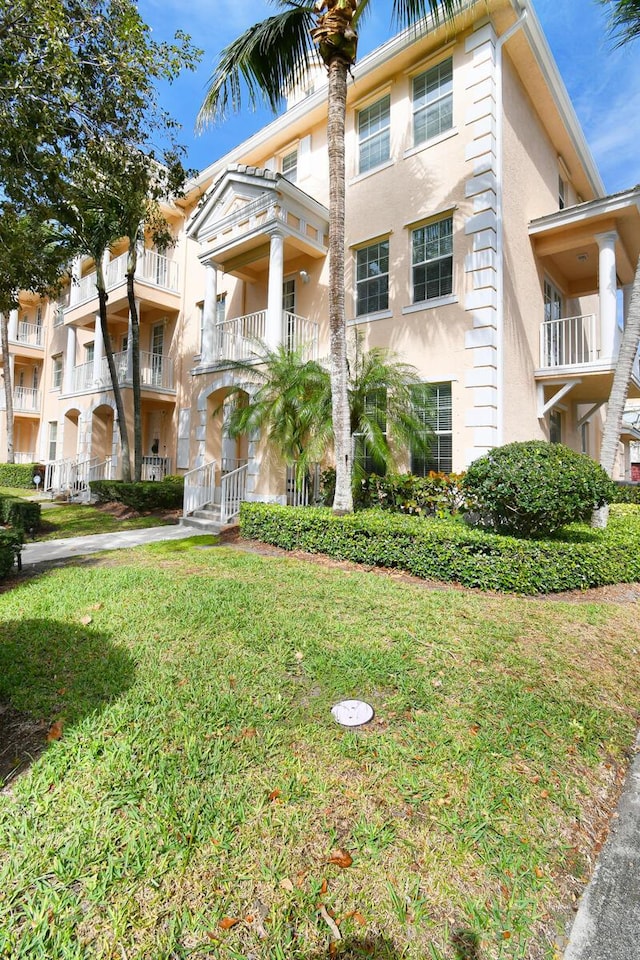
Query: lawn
[[81, 520], [197, 799]]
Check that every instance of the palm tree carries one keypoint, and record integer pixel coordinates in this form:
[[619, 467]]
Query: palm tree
[[624, 20], [273, 56], [291, 402]]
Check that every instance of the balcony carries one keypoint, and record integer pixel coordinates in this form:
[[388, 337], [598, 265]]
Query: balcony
[[30, 334], [569, 342], [25, 400], [236, 339], [152, 268], [156, 373]]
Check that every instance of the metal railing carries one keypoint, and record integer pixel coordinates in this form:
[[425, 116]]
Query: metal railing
[[304, 493], [236, 338], [569, 342], [155, 468], [155, 371], [199, 487], [29, 333], [25, 399], [300, 334], [232, 492], [24, 456], [73, 475], [152, 267]]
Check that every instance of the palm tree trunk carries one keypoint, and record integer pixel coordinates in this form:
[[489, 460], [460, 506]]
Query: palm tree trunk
[[620, 390], [343, 500], [132, 261], [117, 392], [8, 385]]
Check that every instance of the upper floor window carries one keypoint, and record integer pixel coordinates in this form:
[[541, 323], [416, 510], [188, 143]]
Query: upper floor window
[[290, 166], [433, 407], [562, 193], [433, 102], [432, 260], [373, 134], [372, 278], [56, 376]]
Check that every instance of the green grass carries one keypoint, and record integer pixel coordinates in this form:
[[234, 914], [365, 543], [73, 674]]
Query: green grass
[[81, 520], [18, 492], [200, 775]]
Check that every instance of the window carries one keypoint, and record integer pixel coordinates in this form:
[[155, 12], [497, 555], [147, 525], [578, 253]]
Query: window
[[433, 408], [56, 379], [432, 259], [554, 345], [433, 102], [562, 193], [372, 278], [89, 352], [376, 413], [35, 378], [555, 427], [53, 439], [290, 166], [373, 134]]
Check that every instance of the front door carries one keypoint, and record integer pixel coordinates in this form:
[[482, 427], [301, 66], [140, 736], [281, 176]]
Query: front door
[[289, 312]]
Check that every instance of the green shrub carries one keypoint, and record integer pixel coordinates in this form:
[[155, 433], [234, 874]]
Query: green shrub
[[438, 494], [10, 544], [147, 495], [15, 512], [19, 474], [534, 488], [626, 493], [449, 550], [173, 478]]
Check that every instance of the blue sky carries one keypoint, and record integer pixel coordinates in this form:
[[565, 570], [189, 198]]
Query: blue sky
[[603, 83]]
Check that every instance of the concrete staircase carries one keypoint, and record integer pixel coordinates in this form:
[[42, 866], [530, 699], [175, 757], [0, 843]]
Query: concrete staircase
[[206, 519]]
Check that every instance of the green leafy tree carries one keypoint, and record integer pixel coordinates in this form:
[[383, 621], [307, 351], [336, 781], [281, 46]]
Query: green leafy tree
[[32, 258], [273, 56]]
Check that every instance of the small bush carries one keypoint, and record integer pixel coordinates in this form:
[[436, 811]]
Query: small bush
[[15, 512], [147, 495], [438, 494], [449, 550], [19, 474], [534, 488], [626, 493], [10, 544], [173, 478]]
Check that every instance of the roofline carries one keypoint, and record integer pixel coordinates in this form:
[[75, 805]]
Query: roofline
[[584, 211], [539, 46]]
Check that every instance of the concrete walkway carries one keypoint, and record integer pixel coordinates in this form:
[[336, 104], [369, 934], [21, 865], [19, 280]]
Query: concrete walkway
[[51, 550], [607, 925]]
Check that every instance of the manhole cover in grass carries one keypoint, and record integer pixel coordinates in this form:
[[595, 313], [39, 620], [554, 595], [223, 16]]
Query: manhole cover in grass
[[352, 713]]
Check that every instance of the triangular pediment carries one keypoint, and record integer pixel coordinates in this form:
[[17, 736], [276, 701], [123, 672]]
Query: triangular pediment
[[237, 188]]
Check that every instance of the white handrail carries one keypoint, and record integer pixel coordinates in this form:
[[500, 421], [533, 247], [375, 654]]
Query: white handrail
[[232, 492], [569, 341], [199, 487]]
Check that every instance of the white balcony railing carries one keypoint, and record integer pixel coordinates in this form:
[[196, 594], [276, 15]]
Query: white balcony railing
[[29, 333], [199, 487], [25, 400], [236, 339], [156, 371], [24, 456], [152, 267], [569, 342], [155, 468]]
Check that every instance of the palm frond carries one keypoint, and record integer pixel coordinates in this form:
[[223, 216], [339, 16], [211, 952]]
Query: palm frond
[[265, 61], [407, 13], [624, 20]]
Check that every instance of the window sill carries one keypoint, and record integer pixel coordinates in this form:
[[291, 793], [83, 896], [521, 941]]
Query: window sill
[[447, 135], [430, 304], [370, 173], [371, 317]]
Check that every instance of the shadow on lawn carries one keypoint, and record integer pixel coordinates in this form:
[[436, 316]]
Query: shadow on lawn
[[466, 946], [58, 673]]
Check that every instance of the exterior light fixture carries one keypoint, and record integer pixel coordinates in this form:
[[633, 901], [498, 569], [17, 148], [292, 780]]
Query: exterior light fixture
[[304, 276]]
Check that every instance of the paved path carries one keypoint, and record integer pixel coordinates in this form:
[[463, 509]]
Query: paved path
[[607, 925], [49, 550]]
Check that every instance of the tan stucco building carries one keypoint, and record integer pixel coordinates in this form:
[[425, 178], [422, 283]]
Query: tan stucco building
[[481, 248]]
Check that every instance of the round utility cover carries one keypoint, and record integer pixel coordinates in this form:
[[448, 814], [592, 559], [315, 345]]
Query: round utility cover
[[352, 713]]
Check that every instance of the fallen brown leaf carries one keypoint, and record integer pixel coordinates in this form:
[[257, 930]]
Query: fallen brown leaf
[[286, 884], [55, 731], [341, 858], [274, 795], [227, 922]]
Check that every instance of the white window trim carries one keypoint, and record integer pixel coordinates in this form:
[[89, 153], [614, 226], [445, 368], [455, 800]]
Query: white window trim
[[432, 301], [385, 237], [361, 109], [371, 317], [415, 73], [431, 304]]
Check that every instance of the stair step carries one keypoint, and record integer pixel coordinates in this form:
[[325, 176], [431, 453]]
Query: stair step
[[205, 525]]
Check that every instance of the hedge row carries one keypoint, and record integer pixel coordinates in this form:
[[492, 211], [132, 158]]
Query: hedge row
[[627, 493], [147, 495], [18, 474], [10, 544], [15, 512], [448, 550]]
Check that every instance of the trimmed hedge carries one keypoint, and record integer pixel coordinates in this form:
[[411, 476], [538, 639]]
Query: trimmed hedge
[[449, 550], [147, 495], [19, 475], [15, 512], [627, 493], [437, 494], [10, 544]]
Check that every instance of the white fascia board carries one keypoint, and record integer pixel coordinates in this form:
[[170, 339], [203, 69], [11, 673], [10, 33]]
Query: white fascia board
[[586, 211]]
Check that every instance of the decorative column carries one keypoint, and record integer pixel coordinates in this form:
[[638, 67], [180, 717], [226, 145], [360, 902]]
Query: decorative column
[[209, 308], [273, 332], [608, 288], [13, 325], [69, 360], [98, 350]]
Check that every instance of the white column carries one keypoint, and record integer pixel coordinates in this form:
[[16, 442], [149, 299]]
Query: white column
[[76, 273], [69, 360], [608, 288], [273, 333], [98, 350], [13, 325], [208, 345]]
